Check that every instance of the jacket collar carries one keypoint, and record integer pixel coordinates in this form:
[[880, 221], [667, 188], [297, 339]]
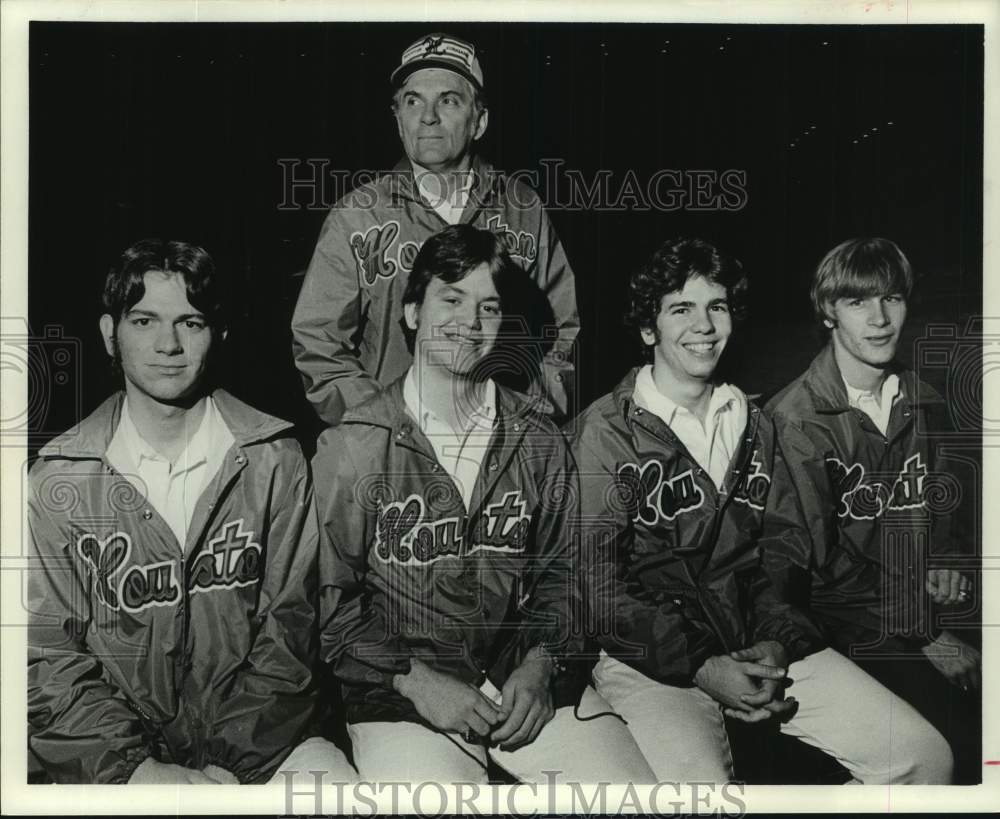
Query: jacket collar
[[623, 394], [388, 410], [624, 400], [484, 190], [91, 437], [826, 385]]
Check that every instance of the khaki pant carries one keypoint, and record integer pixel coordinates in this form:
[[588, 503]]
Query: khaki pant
[[568, 749], [842, 711]]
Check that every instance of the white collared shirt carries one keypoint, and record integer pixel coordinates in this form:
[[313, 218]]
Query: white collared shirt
[[461, 454], [429, 183], [172, 489], [713, 445], [866, 401]]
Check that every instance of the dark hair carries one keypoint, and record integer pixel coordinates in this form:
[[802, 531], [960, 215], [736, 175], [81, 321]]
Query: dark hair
[[670, 268], [452, 254], [860, 268], [124, 286]]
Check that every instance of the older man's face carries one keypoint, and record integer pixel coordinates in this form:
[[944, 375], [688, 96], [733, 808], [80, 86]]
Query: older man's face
[[437, 119]]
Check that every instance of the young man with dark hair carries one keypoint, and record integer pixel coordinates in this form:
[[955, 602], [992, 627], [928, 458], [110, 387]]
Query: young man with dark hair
[[450, 602], [172, 595], [678, 473], [855, 429], [347, 328]]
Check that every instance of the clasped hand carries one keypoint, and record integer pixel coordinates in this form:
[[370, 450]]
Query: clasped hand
[[454, 706], [750, 683]]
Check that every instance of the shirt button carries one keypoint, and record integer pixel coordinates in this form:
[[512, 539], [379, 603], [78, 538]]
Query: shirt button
[[517, 427], [240, 458], [435, 468], [146, 514], [494, 466], [558, 376], [638, 412]]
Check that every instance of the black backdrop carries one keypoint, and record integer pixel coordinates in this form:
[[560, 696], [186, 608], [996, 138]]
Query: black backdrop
[[179, 130]]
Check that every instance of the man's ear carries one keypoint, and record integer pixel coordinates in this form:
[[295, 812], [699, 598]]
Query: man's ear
[[108, 334], [411, 314], [648, 336], [484, 118], [829, 320]]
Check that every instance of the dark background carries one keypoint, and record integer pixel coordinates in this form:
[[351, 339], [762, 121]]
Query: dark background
[[176, 130]]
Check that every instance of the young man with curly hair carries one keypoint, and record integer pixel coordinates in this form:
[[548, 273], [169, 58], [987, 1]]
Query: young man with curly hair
[[679, 473]]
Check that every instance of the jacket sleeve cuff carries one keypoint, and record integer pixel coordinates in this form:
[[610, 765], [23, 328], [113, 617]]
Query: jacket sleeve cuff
[[244, 777], [133, 759], [403, 668]]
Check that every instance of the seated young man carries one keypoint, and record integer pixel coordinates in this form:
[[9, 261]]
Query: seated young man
[[449, 583], [854, 428], [172, 594], [678, 471]]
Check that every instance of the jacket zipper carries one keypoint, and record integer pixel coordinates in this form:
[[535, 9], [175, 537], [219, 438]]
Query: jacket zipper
[[717, 519]]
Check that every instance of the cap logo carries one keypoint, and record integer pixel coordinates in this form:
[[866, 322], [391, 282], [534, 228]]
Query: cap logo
[[432, 45]]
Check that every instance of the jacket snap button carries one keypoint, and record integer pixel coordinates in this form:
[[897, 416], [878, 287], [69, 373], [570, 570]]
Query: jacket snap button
[[435, 468], [558, 376], [240, 459], [493, 466], [638, 412], [517, 427], [146, 514]]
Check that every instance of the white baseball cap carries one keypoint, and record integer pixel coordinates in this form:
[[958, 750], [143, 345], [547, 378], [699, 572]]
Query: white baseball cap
[[440, 51]]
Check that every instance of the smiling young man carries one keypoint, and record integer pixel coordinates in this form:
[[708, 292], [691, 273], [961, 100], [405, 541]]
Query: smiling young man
[[678, 472], [449, 583], [857, 428], [347, 328], [172, 599]]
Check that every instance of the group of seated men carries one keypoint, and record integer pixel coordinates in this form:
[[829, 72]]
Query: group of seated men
[[487, 588]]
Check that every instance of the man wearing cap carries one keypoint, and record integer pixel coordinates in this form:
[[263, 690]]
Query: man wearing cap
[[347, 328]]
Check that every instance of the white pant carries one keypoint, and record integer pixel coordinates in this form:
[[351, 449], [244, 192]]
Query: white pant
[[315, 754], [877, 736], [580, 750]]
